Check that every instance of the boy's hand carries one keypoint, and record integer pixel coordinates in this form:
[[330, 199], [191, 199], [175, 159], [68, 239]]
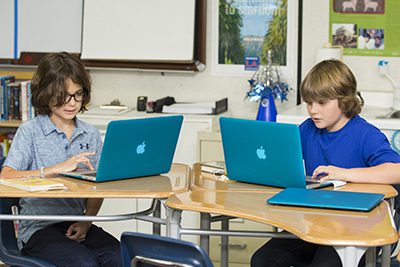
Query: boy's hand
[[330, 173], [73, 162], [77, 231]]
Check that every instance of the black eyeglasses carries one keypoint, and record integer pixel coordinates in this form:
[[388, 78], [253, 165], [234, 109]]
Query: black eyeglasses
[[78, 97]]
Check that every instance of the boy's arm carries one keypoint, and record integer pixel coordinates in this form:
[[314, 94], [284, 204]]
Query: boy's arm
[[8, 172], [93, 206], [66, 166], [77, 231], [386, 173]]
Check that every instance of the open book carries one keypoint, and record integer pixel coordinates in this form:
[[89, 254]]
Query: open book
[[33, 184]]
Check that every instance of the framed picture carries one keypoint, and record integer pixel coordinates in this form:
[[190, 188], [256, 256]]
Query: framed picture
[[248, 29]]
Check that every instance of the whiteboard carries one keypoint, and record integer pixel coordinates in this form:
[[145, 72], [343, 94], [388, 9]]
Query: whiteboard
[[49, 25], [7, 28], [41, 26], [139, 30]]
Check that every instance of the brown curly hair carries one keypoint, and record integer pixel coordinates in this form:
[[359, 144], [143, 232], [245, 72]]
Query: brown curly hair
[[48, 82]]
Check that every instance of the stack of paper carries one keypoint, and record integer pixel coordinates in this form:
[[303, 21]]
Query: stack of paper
[[189, 108], [108, 110], [214, 167], [198, 107]]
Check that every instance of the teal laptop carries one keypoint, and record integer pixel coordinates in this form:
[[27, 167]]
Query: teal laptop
[[327, 199], [135, 148], [266, 153]]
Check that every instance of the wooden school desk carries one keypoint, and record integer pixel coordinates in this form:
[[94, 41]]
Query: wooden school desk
[[212, 183], [208, 181], [158, 187], [351, 233]]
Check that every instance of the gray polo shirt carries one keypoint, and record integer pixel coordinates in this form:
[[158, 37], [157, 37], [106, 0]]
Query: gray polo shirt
[[38, 143]]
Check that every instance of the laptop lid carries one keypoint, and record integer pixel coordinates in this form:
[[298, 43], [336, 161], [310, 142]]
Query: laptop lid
[[137, 148], [326, 199], [260, 152]]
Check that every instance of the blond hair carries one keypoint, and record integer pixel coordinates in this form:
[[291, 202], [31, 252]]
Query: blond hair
[[332, 79]]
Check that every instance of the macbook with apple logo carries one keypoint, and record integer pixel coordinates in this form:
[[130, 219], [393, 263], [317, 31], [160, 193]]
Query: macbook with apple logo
[[265, 153], [327, 199], [135, 148]]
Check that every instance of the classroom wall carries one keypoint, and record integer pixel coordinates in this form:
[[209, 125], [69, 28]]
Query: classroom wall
[[127, 85], [316, 12]]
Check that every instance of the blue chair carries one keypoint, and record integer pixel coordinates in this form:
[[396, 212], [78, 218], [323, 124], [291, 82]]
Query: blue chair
[[144, 250], [9, 252], [2, 160]]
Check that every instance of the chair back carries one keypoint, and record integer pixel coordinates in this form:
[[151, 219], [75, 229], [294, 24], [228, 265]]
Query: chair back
[[9, 251], [144, 250]]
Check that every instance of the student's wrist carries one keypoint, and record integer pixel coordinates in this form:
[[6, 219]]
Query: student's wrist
[[47, 171], [350, 177], [42, 172], [87, 223]]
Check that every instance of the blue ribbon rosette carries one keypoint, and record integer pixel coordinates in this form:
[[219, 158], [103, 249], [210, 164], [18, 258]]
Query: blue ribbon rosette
[[258, 89]]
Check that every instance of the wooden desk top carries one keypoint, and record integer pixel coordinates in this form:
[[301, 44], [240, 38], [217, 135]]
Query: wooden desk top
[[209, 182], [161, 186], [320, 226]]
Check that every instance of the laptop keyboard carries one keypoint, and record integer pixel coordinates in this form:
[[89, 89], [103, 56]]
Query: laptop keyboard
[[92, 174], [312, 181]]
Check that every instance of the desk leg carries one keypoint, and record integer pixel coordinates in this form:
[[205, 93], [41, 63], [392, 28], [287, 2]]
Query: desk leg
[[224, 244], [157, 214], [386, 251], [391, 203], [350, 256], [173, 222], [205, 224], [370, 257]]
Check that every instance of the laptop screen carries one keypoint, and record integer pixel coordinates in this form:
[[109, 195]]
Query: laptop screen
[[260, 152]]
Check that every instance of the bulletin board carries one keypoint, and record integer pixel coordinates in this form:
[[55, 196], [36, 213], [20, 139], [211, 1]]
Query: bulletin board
[[365, 27]]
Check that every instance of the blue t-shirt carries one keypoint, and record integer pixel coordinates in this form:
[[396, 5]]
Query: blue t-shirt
[[358, 144], [39, 143]]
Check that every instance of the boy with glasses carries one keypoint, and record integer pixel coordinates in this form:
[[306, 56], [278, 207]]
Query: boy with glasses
[[57, 141]]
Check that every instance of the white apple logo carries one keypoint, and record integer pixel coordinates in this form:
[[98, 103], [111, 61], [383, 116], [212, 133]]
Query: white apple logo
[[261, 153], [140, 149]]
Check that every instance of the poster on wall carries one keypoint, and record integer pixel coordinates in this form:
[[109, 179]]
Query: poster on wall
[[365, 27], [249, 28], [245, 30]]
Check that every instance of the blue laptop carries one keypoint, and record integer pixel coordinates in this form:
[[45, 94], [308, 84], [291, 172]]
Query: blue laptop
[[266, 153], [326, 199], [135, 148]]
